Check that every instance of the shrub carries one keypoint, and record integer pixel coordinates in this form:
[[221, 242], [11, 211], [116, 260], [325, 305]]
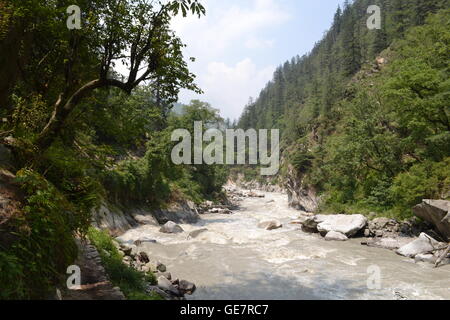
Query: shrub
[[129, 280]]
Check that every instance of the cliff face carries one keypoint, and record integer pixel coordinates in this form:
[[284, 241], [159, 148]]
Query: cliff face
[[301, 196], [117, 221]]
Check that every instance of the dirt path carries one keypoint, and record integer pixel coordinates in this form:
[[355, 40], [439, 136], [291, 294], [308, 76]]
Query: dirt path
[[94, 282]]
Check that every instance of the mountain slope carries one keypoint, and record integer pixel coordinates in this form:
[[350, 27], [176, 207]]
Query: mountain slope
[[364, 134]]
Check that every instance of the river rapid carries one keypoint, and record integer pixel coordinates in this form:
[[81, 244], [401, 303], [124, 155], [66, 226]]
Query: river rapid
[[236, 260]]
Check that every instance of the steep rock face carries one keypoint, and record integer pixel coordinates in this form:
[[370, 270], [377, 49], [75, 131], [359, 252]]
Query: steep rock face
[[300, 196], [118, 221], [113, 219], [269, 184], [436, 212], [179, 212]]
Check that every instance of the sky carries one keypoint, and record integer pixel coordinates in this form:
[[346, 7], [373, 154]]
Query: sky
[[239, 44]]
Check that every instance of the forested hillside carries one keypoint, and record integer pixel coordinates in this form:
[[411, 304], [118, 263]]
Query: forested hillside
[[368, 134]]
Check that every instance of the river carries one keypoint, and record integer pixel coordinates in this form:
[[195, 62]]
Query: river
[[236, 260]]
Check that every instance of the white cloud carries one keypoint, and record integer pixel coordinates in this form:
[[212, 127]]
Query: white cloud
[[223, 26], [229, 88], [255, 43], [220, 41]]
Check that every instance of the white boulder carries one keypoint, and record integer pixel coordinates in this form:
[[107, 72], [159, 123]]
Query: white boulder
[[335, 236], [348, 225]]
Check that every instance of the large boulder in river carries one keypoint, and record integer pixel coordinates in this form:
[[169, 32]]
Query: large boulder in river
[[436, 212], [171, 227], [422, 245], [270, 225], [349, 225]]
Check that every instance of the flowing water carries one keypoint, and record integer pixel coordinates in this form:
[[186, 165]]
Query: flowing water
[[235, 259]]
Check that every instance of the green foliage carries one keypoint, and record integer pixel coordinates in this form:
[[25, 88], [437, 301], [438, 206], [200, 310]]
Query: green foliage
[[208, 179], [12, 278], [427, 180], [146, 179], [111, 141], [129, 280], [44, 247], [360, 133], [390, 147]]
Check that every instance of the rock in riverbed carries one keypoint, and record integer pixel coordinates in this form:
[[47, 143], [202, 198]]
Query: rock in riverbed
[[186, 287], [436, 212], [348, 225], [194, 234], [166, 285], [141, 241], [335, 236], [270, 225], [387, 243], [171, 227], [424, 244]]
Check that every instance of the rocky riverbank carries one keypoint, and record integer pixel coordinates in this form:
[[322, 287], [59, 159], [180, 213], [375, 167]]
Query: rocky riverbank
[[167, 286], [424, 238], [167, 247]]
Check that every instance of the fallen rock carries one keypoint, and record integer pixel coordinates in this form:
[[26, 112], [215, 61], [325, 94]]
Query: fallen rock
[[387, 243], [161, 267], [436, 212], [255, 195], [166, 285], [423, 244], [141, 241], [310, 224], [126, 250], [335, 236], [157, 290], [151, 266], [428, 258], [127, 260], [143, 257], [270, 225], [382, 227], [225, 211], [171, 227], [349, 225], [186, 287], [194, 234], [166, 275]]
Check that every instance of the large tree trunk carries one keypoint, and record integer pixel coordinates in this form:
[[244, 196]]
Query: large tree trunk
[[64, 107]]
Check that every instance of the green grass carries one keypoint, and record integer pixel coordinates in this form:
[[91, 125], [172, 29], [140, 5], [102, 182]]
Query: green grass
[[128, 279]]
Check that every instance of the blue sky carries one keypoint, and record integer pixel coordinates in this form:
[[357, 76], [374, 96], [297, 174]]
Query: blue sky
[[239, 43]]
